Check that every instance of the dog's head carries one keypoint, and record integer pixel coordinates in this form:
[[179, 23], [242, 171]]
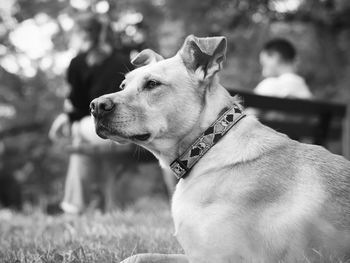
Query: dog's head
[[162, 98]]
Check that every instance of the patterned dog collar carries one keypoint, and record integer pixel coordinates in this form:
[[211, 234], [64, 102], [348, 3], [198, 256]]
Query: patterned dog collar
[[183, 164]]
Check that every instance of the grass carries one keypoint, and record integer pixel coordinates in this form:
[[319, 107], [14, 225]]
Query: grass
[[93, 237]]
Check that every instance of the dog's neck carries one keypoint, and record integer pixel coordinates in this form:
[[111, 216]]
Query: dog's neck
[[210, 112]]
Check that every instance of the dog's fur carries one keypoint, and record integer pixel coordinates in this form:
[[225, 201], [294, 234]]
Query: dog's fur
[[256, 196]]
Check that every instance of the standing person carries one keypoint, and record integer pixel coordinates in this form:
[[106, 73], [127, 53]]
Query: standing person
[[278, 61], [97, 71]]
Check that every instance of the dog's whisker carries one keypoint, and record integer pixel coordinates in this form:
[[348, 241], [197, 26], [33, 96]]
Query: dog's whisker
[[139, 149], [126, 67], [136, 152], [121, 73]]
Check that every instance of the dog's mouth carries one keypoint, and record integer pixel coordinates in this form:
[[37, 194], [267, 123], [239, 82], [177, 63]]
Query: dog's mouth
[[102, 130], [141, 137], [105, 132]]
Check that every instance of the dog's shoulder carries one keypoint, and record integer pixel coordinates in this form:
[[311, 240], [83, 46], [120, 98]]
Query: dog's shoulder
[[252, 140]]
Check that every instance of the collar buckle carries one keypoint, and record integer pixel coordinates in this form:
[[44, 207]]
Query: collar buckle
[[178, 168]]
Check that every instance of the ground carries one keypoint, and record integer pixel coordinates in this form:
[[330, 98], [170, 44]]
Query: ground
[[94, 237]]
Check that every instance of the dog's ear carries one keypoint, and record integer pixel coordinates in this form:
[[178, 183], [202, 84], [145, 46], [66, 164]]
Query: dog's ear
[[204, 54], [145, 57]]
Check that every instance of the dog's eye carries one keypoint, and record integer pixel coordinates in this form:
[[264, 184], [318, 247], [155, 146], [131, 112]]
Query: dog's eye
[[151, 84]]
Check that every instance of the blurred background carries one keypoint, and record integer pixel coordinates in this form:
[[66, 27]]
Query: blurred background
[[37, 44]]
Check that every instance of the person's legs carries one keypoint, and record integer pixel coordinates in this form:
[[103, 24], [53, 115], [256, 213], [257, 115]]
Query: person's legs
[[75, 192], [82, 168]]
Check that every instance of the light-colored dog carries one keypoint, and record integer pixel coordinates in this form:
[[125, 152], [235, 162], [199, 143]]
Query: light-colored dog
[[256, 195]]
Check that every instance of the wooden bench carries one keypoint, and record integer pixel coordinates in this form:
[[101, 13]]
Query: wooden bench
[[320, 121]]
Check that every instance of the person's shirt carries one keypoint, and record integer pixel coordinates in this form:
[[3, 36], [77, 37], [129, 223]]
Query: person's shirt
[[287, 85], [89, 82]]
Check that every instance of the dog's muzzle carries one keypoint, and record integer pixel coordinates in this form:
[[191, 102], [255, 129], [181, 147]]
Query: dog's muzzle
[[101, 106]]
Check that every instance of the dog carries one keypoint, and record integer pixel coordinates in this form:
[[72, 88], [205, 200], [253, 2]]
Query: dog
[[254, 195]]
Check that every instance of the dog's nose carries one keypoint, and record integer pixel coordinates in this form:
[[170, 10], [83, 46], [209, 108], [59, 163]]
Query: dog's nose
[[101, 106]]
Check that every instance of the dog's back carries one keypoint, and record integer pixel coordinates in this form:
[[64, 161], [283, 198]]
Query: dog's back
[[334, 172]]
